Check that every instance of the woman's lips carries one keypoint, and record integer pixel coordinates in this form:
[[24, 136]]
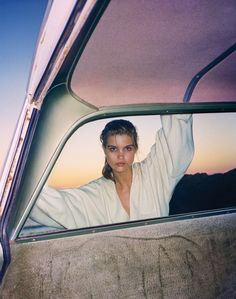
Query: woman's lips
[[120, 164]]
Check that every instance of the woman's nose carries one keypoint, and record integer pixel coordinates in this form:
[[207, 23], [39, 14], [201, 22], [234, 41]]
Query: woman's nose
[[120, 154]]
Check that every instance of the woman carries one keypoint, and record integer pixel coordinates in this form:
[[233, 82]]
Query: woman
[[126, 191]]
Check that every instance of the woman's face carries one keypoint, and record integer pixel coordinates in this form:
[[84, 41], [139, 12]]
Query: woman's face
[[120, 152]]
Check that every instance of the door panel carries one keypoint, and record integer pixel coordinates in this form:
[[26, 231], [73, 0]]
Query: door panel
[[186, 259]]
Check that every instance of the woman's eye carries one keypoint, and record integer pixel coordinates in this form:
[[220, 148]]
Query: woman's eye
[[112, 149], [129, 148]]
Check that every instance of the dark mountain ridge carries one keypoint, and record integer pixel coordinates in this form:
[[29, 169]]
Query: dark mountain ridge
[[200, 191]]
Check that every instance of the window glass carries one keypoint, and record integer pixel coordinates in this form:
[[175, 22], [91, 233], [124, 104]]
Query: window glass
[[208, 183], [148, 51]]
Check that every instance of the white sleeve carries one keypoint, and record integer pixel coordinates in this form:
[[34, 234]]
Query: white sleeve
[[177, 144], [56, 208], [168, 159]]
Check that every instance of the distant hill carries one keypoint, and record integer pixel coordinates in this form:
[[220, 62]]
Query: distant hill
[[201, 191]]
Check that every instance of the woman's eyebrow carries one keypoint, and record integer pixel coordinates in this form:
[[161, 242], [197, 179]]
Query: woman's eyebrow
[[111, 145]]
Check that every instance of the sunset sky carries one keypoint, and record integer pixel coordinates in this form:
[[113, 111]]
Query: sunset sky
[[82, 158], [215, 136], [20, 23]]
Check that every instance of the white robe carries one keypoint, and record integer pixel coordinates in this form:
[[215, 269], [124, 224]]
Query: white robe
[[153, 183]]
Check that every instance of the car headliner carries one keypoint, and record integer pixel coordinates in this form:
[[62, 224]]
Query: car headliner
[[148, 51]]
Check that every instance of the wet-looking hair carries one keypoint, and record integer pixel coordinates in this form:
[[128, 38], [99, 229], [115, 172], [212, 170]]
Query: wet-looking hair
[[117, 127]]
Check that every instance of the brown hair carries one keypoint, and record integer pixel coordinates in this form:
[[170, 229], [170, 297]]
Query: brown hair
[[117, 127]]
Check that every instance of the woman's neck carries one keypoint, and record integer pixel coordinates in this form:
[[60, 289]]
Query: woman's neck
[[124, 179]]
